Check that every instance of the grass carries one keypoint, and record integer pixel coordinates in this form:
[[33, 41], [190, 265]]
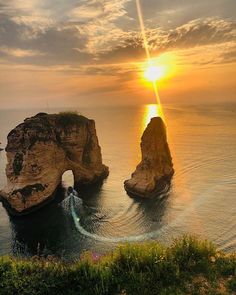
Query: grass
[[188, 266], [67, 119]]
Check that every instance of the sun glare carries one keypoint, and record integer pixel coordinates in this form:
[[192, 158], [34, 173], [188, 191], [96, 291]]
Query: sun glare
[[159, 68], [154, 73]]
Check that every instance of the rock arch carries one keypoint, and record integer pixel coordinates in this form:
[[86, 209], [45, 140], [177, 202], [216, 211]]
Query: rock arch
[[41, 149]]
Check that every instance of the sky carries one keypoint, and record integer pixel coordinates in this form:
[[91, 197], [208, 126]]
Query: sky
[[71, 53]]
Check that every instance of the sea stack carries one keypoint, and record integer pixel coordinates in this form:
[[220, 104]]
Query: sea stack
[[41, 149], [152, 176]]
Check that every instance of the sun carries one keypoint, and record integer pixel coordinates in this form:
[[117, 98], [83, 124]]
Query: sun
[[154, 73], [160, 68]]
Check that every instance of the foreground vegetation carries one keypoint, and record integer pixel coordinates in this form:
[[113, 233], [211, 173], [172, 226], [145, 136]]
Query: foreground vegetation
[[188, 266]]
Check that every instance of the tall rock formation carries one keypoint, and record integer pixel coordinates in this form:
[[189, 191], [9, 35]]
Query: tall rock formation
[[41, 149], [155, 170]]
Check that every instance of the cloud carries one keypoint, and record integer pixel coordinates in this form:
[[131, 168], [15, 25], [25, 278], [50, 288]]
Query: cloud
[[170, 14], [99, 22], [16, 52], [193, 34], [85, 30], [54, 44], [229, 56], [78, 32], [197, 33]]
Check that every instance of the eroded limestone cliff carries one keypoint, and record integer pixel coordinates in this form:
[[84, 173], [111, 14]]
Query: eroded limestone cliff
[[41, 149], [155, 170]]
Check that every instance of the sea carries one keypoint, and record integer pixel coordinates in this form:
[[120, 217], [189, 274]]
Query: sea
[[201, 200]]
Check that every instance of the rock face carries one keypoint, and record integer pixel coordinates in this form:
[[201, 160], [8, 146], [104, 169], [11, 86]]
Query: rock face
[[41, 149], [0, 147], [154, 173]]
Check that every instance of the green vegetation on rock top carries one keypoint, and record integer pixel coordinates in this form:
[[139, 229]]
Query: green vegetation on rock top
[[189, 266], [66, 119]]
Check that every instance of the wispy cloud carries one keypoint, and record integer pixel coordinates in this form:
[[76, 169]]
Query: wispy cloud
[[16, 52], [102, 38]]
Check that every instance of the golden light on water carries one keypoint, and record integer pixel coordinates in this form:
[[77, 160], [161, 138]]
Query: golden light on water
[[150, 111], [156, 69]]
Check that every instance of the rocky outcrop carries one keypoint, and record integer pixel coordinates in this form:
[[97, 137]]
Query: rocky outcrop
[[154, 173], [41, 149]]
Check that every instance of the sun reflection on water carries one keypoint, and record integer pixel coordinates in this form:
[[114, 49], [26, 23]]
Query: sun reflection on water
[[151, 111]]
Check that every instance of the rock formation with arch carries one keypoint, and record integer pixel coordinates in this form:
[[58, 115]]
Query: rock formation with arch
[[41, 149]]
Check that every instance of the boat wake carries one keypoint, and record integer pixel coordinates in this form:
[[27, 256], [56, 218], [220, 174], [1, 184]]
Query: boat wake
[[71, 202]]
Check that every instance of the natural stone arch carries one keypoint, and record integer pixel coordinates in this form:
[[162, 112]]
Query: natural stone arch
[[41, 149]]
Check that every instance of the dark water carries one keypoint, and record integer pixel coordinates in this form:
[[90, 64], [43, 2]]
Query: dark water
[[202, 198]]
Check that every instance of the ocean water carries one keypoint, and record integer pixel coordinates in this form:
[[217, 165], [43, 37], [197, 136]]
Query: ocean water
[[201, 200]]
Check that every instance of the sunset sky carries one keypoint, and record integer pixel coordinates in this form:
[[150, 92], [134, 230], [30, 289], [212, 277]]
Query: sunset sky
[[90, 52]]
